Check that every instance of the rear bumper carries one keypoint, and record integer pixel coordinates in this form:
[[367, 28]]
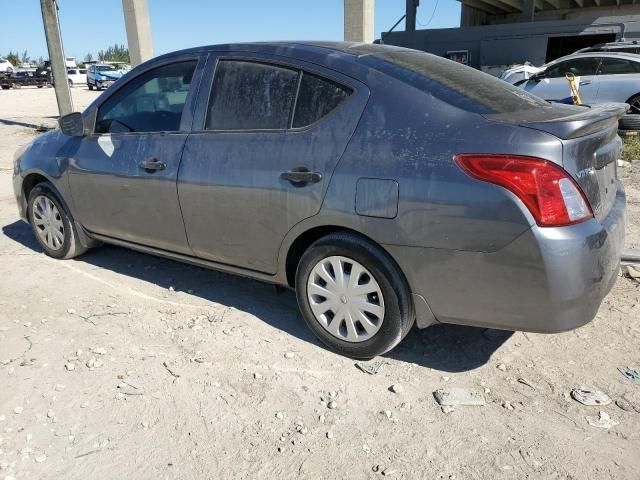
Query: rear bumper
[[547, 280]]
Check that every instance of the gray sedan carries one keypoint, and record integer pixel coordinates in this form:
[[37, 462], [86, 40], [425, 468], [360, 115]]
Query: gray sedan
[[386, 186]]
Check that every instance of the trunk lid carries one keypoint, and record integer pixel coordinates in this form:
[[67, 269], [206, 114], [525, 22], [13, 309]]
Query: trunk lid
[[590, 145]]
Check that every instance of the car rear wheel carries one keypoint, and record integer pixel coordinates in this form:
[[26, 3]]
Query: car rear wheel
[[353, 296], [52, 223]]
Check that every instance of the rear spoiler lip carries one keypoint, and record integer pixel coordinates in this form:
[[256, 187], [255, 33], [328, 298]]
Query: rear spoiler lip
[[595, 118]]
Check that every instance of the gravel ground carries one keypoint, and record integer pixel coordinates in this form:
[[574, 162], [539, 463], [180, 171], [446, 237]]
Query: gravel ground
[[119, 364]]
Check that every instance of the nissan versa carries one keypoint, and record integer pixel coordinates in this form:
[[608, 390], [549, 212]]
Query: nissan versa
[[386, 185]]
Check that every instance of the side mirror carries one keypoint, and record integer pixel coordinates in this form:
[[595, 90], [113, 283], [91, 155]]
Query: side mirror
[[72, 124]]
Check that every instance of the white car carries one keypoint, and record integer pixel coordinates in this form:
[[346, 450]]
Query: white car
[[6, 66], [602, 77], [77, 76], [517, 73]]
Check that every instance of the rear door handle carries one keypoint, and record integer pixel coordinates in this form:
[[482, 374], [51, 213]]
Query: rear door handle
[[152, 164], [301, 175]]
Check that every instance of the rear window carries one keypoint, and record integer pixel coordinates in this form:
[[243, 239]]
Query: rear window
[[317, 97], [451, 82]]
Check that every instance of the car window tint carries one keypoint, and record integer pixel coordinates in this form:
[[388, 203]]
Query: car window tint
[[618, 66], [458, 85], [152, 102], [577, 66], [316, 98], [250, 96]]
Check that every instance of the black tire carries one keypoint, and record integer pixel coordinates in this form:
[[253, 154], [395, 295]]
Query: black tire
[[71, 246], [399, 313], [90, 86], [629, 122]]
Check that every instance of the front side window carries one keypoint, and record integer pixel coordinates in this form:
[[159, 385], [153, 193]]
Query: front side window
[[251, 96], [577, 66], [618, 66], [316, 98], [151, 102]]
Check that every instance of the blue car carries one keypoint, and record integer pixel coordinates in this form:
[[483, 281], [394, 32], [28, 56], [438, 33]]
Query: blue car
[[101, 76]]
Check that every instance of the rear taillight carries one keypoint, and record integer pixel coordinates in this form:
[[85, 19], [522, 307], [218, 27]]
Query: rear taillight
[[551, 195]]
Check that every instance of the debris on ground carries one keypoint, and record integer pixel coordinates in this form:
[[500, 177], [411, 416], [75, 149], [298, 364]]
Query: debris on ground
[[631, 374], [590, 398], [396, 388], [458, 396], [632, 272], [371, 367], [603, 420]]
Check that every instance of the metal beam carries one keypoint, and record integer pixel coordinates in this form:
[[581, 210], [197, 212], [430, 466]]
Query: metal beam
[[56, 55], [555, 3], [411, 11], [482, 6], [528, 10], [580, 3], [505, 5]]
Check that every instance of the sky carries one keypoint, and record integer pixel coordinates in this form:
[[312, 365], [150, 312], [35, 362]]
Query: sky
[[89, 26]]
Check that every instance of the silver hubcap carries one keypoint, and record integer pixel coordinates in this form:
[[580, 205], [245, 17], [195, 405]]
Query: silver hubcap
[[48, 222], [345, 299], [635, 106]]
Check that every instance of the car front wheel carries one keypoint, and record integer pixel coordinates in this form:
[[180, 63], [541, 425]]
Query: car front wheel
[[52, 224], [353, 296]]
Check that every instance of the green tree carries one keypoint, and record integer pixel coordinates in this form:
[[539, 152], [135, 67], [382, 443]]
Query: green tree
[[24, 58], [114, 53], [88, 57], [13, 58]]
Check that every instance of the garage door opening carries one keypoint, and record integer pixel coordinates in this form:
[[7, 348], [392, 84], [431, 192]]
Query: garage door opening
[[560, 46]]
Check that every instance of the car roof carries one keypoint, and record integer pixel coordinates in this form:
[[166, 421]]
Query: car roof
[[606, 54]]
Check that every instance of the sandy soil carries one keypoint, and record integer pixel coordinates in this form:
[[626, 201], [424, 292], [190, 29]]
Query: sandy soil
[[122, 365]]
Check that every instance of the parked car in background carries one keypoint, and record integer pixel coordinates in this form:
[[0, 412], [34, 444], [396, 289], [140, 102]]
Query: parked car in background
[[101, 76], [386, 186], [77, 76], [6, 66], [517, 73], [620, 47], [24, 78], [602, 76]]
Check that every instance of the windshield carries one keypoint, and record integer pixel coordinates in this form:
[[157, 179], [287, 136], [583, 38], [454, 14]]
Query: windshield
[[105, 68], [454, 83]]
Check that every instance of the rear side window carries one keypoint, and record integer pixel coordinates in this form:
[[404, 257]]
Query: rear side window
[[458, 85], [618, 66], [316, 98], [251, 96]]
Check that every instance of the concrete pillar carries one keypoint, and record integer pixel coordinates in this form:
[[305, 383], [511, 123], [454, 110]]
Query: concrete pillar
[[358, 20], [56, 55], [136, 19]]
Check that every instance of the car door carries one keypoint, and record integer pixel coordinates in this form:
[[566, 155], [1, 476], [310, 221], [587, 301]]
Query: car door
[[619, 79], [123, 176], [270, 136], [552, 84]]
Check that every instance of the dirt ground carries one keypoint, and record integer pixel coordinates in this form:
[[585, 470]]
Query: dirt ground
[[122, 365]]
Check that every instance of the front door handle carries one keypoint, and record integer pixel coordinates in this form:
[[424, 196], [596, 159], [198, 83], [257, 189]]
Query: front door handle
[[301, 175], [152, 164], [586, 82]]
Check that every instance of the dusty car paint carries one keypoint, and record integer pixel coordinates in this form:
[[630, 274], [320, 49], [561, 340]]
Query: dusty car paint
[[471, 251]]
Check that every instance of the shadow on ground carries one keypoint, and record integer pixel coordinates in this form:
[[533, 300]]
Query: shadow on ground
[[448, 348], [40, 128]]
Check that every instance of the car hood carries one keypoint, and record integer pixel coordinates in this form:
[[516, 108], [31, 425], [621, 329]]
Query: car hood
[[110, 75]]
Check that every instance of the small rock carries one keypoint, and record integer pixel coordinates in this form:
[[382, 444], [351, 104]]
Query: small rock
[[200, 357], [387, 413], [332, 405], [70, 366], [257, 376], [279, 415], [321, 418], [447, 408], [18, 410], [389, 472], [99, 351], [590, 397], [329, 435], [171, 289], [506, 404], [289, 355], [40, 458], [375, 468], [51, 414], [396, 388], [71, 311], [84, 404], [603, 420], [502, 367], [458, 396]]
